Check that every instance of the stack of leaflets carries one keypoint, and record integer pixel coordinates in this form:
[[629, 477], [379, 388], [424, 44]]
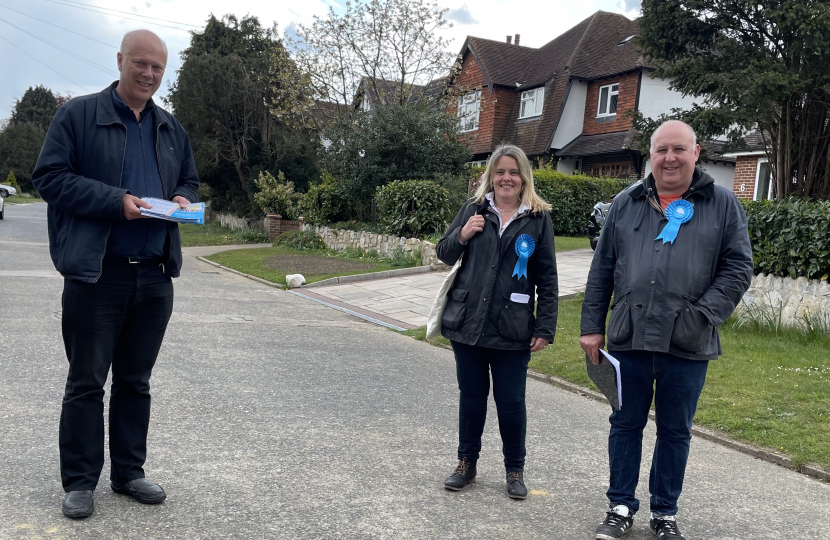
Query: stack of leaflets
[[606, 375], [171, 211]]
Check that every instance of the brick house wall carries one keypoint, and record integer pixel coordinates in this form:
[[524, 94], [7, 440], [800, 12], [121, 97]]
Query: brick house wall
[[627, 99], [746, 170], [495, 107]]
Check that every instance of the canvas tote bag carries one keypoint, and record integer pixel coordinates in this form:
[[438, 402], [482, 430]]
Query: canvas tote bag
[[436, 313]]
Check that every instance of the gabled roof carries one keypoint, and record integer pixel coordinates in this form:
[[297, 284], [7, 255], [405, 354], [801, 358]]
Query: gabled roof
[[387, 91], [593, 48]]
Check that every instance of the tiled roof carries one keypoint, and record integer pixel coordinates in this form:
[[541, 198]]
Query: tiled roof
[[596, 47], [594, 145], [387, 91]]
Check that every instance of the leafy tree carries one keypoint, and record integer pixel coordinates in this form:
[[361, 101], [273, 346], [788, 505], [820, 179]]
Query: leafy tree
[[392, 45], [22, 136], [395, 143], [758, 65], [223, 97], [11, 181], [277, 195]]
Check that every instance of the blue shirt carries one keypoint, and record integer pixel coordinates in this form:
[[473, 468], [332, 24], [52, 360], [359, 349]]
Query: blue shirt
[[142, 238]]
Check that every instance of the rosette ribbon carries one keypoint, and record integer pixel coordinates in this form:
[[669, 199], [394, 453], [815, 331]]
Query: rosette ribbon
[[678, 213], [524, 249]]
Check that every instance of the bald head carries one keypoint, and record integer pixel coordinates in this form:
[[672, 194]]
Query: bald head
[[674, 124], [141, 61], [140, 35]]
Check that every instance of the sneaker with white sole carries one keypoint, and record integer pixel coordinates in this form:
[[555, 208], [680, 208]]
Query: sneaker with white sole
[[617, 523], [665, 527]]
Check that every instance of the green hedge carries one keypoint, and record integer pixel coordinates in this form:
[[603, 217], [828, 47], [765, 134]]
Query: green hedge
[[573, 197], [412, 208], [790, 237], [325, 203]]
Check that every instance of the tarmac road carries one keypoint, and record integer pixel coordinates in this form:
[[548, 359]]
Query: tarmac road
[[276, 417]]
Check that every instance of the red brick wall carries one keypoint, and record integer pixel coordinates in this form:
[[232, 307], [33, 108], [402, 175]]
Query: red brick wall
[[275, 225], [589, 162], [745, 171], [626, 100], [495, 107]]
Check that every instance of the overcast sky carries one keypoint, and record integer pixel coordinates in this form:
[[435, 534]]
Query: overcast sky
[[70, 46]]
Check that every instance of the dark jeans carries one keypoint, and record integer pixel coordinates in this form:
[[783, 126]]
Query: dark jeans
[[118, 322], [473, 366], [677, 389]]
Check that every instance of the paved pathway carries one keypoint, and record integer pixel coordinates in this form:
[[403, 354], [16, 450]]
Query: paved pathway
[[405, 301], [278, 418]]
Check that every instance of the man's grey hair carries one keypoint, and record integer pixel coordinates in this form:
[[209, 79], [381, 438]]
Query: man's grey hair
[[670, 122], [129, 35]]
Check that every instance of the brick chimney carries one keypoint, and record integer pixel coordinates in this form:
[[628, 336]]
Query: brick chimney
[[509, 38], [516, 40]]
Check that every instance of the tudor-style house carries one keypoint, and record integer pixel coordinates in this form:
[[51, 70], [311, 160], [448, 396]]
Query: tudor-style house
[[567, 101]]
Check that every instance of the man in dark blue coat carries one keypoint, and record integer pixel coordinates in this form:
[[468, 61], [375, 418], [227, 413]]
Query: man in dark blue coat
[[675, 254], [103, 153]]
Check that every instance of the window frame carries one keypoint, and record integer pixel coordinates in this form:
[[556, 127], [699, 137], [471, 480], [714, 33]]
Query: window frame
[[466, 115], [758, 178], [538, 106], [611, 93]]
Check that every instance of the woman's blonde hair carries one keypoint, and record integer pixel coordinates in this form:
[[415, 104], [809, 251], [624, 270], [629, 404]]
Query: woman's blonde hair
[[528, 195]]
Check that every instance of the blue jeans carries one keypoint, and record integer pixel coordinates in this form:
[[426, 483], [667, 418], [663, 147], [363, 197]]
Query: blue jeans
[[473, 366], [678, 386]]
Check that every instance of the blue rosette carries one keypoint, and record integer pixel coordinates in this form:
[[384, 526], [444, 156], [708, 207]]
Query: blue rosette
[[525, 245], [678, 213]]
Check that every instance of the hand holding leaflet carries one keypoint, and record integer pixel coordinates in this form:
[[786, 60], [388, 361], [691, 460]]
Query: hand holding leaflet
[[171, 211], [606, 375]]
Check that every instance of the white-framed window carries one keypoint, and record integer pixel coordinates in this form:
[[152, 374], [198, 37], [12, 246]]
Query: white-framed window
[[532, 101], [763, 181], [608, 96], [469, 108]]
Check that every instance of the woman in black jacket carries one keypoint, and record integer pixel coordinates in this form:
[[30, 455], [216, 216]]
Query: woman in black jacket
[[505, 235]]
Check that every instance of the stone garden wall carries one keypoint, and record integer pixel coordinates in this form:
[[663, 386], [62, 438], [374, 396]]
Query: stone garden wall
[[792, 296], [384, 244]]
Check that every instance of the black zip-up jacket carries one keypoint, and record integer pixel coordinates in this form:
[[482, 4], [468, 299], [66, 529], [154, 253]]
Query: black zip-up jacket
[[669, 297], [479, 310], [78, 173]]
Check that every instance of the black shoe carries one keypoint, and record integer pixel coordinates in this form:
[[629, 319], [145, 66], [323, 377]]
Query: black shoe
[[78, 504], [614, 526], [516, 485], [141, 490], [465, 473], [665, 529]]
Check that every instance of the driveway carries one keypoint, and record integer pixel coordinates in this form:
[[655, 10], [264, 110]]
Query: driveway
[[277, 417]]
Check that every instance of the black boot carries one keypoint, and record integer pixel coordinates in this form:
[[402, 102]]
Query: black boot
[[464, 474], [516, 485]]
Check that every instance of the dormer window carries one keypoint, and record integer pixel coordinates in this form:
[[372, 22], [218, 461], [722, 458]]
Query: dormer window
[[532, 101], [608, 96], [469, 108]]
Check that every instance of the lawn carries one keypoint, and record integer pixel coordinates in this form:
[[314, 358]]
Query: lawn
[[274, 263], [768, 390], [567, 243], [22, 200], [214, 234]]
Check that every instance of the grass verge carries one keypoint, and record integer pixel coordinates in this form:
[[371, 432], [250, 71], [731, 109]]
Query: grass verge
[[22, 200], [214, 234], [255, 262], [768, 390], [568, 243]]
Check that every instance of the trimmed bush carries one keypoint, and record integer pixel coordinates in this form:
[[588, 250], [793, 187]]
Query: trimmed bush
[[790, 237], [300, 240], [326, 203], [11, 180], [277, 195], [573, 197], [412, 208]]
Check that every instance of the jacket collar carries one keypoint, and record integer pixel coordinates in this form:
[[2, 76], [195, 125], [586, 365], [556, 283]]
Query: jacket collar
[[702, 184], [107, 115]]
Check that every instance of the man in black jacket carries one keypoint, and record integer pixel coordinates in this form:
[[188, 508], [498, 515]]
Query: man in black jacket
[[102, 154], [675, 254]]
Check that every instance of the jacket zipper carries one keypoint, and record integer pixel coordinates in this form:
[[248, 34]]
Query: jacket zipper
[[120, 175]]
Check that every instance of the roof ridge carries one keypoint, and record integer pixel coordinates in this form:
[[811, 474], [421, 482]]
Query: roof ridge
[[575, 54], [502, 43]]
